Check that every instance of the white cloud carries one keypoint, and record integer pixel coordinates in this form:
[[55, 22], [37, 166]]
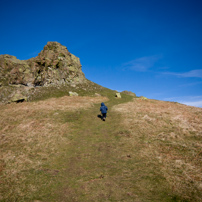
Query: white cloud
[[195, 101], [195, 104], [141, 64], [193, 73], [190, 84]]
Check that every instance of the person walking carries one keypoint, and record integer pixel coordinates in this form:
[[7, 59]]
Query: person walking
[[103, 110]]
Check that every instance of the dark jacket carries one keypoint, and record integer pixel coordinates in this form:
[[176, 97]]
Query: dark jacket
[[103, 108]]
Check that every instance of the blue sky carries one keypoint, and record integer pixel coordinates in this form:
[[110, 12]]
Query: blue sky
[[150, 47]]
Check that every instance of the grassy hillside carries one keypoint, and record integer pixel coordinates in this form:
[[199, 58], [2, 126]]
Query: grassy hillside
[[59, 150], [169, 138]]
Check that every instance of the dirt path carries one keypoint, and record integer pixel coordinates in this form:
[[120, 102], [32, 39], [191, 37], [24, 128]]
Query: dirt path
[[101, 165]]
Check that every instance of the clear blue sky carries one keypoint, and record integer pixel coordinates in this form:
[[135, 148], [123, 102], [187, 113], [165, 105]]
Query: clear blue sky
[[150, 47]]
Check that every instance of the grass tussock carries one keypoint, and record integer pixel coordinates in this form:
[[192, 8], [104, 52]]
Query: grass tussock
[[169, 137], [32, 137]]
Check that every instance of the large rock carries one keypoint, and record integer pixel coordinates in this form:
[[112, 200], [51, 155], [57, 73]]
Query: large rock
[[54, 65], [118, 95], [73, 93], [143, 98], [97, 95], [18, 97]]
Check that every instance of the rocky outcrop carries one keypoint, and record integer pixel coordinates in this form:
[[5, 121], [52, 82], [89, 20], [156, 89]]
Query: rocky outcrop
[[128, 93], [54, 66]]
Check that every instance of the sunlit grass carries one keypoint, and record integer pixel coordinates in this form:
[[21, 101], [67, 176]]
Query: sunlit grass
[[172, 139], [60, 150]]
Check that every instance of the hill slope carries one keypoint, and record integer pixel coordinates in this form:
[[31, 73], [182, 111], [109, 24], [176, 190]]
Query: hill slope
[[59, 150], [169, 138]]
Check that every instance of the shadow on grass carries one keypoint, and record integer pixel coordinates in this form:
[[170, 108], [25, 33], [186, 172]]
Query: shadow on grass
[[99, 116]]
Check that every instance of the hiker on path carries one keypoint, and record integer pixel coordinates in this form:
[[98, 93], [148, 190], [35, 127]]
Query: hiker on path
[[103, 110]]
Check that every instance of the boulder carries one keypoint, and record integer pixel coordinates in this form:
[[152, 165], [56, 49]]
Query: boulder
[[18, 97], [73, 93], [143, 98], [118, 95], [97, 94]]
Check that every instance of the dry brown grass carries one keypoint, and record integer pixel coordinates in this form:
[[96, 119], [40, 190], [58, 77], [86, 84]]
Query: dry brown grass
[[31, 134], [155, 154], [169, 134]]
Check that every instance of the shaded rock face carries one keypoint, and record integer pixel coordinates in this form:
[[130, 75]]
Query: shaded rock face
[[54, 65]]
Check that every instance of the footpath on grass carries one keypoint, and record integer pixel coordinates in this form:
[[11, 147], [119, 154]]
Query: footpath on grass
[[100, 165]]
